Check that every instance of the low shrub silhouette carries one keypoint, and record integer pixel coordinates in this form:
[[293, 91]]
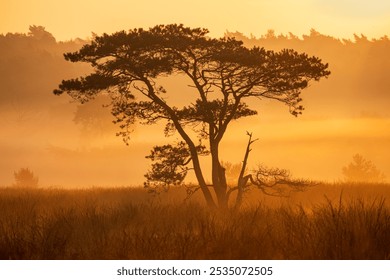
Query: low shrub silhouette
[[362, 170], [24, 177]]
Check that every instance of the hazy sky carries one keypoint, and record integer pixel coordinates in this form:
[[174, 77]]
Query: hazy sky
[[352, 119], [78, 18]]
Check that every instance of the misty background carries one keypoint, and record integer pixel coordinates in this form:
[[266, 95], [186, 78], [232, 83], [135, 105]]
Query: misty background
[[72, 145]]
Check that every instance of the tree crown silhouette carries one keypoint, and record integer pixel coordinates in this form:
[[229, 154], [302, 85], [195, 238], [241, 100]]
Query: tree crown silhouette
[[224, 73]]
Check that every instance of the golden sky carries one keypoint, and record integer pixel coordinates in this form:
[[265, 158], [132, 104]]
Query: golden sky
[[74, 18]]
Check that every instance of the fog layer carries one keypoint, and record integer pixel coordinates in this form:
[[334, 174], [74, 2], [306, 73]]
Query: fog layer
[[68, 144]]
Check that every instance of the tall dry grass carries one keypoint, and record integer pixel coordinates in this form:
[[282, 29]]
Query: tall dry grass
[[330, 221]]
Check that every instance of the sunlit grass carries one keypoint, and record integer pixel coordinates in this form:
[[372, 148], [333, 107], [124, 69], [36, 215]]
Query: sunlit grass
[[330, 221]]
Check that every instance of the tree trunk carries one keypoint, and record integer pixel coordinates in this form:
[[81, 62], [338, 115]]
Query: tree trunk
[[242, 179], [194, 155], [218, 177], [199, 176]]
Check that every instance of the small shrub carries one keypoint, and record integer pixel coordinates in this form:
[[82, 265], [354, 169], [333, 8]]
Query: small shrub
[[25, 178], [362, 170]]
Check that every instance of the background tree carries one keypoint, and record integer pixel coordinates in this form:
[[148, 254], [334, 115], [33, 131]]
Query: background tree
[[24, 177], [232, 171], [94, 118], [39, 33], [224, 74], [362, 170]]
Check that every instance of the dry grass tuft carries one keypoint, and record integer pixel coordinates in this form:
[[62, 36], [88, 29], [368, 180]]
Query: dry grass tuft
[[332, 221]]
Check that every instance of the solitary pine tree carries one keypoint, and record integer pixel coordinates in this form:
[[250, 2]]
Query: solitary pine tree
[[225, 75]]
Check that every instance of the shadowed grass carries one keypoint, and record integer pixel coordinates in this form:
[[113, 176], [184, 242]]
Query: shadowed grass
[[127, 223]]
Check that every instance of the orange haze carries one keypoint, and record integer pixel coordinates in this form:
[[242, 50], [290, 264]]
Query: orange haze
[[67, 144]]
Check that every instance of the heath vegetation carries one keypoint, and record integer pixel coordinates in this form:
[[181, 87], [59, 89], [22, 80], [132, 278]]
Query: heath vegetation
[[328, 221]]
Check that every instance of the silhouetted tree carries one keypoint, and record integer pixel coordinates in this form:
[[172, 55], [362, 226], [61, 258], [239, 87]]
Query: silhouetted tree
[[24, 177], [362, 170], [94, 117], [224, 74], [39, 33]]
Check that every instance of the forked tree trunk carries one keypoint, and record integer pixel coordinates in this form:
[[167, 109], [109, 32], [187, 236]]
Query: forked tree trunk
[[194, 154]]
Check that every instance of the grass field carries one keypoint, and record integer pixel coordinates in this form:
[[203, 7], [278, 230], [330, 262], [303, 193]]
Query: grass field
[[328, 221]]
